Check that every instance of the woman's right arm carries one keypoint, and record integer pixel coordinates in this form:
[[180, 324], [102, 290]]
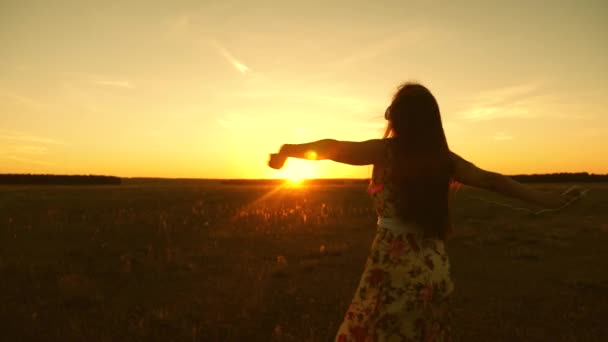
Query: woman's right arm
[[469, 174]]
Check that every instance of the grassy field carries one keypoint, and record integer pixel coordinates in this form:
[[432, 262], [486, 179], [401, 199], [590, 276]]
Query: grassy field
[[211, 262]]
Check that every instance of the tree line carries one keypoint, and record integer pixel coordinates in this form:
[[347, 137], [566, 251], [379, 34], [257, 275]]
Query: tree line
[[26, 179], [562, 177], [35, 179]]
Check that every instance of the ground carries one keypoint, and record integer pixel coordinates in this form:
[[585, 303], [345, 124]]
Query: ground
[[202, 261]]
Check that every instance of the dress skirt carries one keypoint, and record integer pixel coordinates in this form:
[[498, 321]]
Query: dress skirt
[[404, 292]]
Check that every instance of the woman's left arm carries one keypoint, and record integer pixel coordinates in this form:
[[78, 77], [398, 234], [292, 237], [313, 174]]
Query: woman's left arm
[[347, 152]]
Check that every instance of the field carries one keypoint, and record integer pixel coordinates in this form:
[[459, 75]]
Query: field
[[210, 262]]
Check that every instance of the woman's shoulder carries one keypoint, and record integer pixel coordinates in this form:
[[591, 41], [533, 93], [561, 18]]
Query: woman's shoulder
[[458, 161], [383, 150]]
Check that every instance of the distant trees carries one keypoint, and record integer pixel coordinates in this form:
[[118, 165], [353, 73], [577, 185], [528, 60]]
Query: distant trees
[[561, 177], [25, 179], [576, 177]]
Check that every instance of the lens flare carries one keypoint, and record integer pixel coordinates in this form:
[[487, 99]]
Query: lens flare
[[311, 155]]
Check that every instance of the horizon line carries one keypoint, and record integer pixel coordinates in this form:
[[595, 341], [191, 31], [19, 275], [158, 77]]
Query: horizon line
[[258, 178]]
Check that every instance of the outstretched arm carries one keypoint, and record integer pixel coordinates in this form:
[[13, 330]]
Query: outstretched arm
[[468, 173], [347, 152]]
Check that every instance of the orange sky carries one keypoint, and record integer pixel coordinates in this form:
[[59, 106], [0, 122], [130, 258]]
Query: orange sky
[[208, 89]]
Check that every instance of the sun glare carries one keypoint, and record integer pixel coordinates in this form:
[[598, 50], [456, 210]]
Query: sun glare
[[295, 181], [296, 171], [312, 155]]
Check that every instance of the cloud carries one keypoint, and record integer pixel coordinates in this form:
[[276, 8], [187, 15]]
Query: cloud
[[29, 160], [30, 138], [485, 112], [374, 49], [238, 65], [531, 100], [28, 149], [509, 93], [22, 100], [82, 79], [383, 46], [520, 101]]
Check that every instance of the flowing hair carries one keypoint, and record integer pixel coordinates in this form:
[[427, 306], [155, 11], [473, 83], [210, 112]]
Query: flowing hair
[[422, 170]]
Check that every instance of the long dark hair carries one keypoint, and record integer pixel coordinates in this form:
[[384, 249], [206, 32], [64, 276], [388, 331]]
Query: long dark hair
[[422, 170]]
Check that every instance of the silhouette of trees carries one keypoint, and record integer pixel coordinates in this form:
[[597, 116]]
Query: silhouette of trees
[[562, 177], [33, 179], [26, 179]]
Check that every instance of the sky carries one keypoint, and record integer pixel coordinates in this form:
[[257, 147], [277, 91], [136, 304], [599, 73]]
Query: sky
[[207, 89]]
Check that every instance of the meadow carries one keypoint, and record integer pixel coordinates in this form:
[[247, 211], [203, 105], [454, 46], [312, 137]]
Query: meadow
[[203, 261]]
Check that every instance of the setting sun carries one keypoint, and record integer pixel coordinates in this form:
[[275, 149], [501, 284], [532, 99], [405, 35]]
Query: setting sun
[[296, 171], [294, 181]]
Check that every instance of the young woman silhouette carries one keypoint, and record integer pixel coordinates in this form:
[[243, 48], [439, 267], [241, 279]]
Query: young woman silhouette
[[404, 290]]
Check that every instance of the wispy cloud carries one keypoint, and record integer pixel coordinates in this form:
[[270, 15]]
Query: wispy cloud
[[529, 101], [520, 101], [384, 46], [22, 100], [388, 44], [237, 64], [491, 112], [83, 79], [26, 148], [29, 160], [30, 138], [29, 149], [509, 93]]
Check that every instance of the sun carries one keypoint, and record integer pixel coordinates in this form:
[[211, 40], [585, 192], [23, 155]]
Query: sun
[[296, 171], [295, 181]]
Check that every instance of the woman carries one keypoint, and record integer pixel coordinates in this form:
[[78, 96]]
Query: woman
[[404, 290]]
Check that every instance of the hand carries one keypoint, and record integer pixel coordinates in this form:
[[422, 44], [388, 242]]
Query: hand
[[572, 194], [277, 161], [567, 197]]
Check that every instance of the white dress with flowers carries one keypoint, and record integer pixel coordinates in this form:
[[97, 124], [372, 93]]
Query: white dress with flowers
[[404, 291]]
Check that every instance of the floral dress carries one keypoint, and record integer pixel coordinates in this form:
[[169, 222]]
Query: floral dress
[[404, 291]]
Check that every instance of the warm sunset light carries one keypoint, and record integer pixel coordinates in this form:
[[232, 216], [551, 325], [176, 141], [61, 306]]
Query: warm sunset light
[[295, 171], [209, 89], [218, 170], [295, 181], [311, 155]]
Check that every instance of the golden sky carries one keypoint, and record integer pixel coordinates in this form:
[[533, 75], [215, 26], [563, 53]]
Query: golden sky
[[207, 89]]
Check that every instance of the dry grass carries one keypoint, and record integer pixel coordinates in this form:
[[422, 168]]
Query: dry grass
[[203, 262]]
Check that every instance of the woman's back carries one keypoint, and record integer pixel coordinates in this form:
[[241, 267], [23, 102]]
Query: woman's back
[[413, 194]]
